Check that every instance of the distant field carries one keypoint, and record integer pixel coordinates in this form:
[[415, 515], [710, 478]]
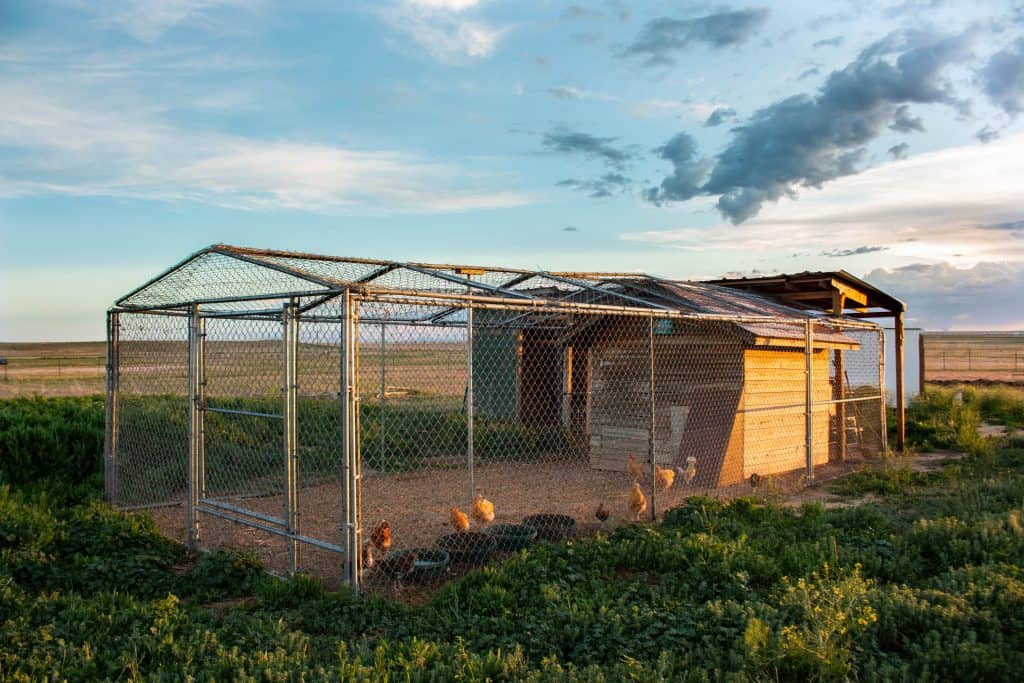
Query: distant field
[[951, 357], [233, 368], [52, 369]]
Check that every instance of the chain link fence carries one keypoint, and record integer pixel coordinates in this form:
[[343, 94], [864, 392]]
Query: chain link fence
[[393, 440]]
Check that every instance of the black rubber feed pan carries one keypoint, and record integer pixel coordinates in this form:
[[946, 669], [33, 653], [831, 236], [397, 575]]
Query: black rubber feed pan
[[429, 565], [512, 537], [551, 527], [469, 547]]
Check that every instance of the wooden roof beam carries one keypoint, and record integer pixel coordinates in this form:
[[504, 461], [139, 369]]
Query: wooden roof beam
[[850, 293]]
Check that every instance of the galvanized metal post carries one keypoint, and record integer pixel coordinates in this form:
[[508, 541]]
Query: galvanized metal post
[[201, 408], [883, 401], [383, 391], [289, 321], [809, 398], [651, 417], [110, 434], [195, 435], [350, 485], [469, 402]]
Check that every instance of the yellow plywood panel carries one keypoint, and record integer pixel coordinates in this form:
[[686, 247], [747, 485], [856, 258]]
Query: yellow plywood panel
[[775, 440]]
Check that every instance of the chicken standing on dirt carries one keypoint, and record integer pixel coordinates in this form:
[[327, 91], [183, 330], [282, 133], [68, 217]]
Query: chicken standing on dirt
[[483, 510], [664, 477], [602, 513], [635, 469], [637, 501], [368, 560], [459, 520], [381, 537], [689, 473]]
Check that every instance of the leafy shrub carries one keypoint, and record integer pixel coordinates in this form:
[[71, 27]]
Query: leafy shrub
[[53, 443]]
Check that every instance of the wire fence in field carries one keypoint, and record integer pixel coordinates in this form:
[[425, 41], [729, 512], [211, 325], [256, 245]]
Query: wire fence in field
[[391, 441], [950, 357]]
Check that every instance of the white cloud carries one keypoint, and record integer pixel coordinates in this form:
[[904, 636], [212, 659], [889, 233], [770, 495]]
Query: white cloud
[[149, 20], [445, 29], [63, 143], [932, 207], [569, 92], [653, 108]]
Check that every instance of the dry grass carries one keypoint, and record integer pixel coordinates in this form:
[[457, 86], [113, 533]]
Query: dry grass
[[981, 358]]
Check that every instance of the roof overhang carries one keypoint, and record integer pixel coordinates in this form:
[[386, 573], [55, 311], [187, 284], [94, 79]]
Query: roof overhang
[[820, 291]]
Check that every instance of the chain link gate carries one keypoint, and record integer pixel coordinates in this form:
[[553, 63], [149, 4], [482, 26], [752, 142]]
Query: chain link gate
[[466, 419]]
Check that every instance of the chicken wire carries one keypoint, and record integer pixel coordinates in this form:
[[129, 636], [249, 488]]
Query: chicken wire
[[298, 432]]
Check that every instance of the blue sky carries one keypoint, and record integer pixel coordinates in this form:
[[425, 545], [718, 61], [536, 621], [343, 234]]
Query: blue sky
[[684, 139]]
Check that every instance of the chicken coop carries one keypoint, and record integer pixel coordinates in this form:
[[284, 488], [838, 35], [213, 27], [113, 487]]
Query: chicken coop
[[373, 421]]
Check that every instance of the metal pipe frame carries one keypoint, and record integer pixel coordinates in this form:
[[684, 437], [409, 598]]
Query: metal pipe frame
[[270, 529], [195, 329], [350, 458], [111, 406], [383, 389], [809, 398], [246, 413], [228, 507], [290, 321], [883, 404], [470, 412], [651, 446]]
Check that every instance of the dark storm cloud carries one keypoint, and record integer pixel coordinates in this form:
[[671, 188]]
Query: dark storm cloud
[[807, 73], [1008, 225], [834, 41], [806, 141], [903, 122], [856, 251], [1002, 78], [688, 174], [987, 135], [568, 141], [606, 186], [900, 151], [719, 115], [661, 38]]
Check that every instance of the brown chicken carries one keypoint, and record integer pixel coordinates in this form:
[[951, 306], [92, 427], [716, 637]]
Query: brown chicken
[[399, 566], [637, 501], [381, 536], [664, 477], [635, 469], [368, 560], [755, 480], [483, 510], [602, 513], [459, 520], [689, 473]]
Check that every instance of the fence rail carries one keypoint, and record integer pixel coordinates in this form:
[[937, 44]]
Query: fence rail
[[971, 357]]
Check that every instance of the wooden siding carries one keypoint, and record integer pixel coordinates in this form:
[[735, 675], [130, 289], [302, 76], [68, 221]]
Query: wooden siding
[[698, 384], [774, 419]]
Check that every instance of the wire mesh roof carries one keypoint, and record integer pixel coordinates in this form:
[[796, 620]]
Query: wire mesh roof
[[230, 279]]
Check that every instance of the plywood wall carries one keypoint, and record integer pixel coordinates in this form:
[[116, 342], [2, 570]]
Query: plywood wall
[[774, 419]]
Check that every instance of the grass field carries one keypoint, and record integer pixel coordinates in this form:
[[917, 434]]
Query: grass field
[[233, 368], [910, 573]]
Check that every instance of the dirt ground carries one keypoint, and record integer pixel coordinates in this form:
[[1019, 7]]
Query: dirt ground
[[417, 506]]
